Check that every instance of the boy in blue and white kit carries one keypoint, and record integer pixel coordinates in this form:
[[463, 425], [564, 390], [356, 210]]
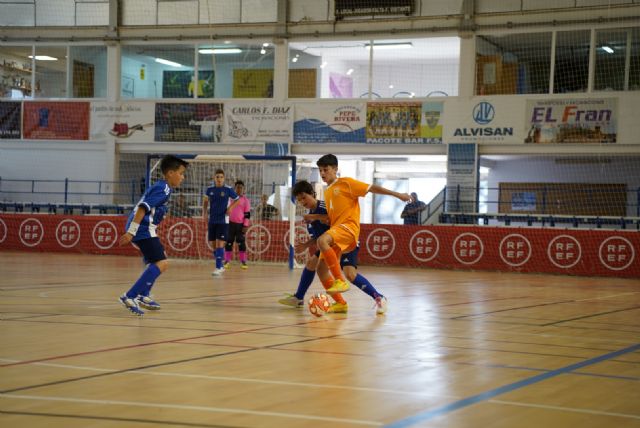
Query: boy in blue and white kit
[[141, 231], [316, 226], [215, 206]]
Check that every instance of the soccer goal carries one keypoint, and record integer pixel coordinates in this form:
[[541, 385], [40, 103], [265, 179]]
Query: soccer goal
[[267, 184]]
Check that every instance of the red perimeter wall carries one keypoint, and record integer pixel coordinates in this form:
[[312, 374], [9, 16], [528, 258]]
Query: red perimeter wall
[[572, 252]]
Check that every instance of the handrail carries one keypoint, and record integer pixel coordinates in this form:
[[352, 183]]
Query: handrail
[[435, 204], [67, 188]]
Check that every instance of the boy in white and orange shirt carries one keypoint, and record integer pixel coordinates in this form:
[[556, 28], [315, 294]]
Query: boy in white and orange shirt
[[341, 199]]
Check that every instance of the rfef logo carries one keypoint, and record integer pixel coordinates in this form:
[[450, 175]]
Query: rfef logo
[[483, 113], [105, 234], [380, 244], [616, 253], [515, 249], [468, 248], [301, 236], [564, 251], [180, 236], [3, 230], [68, 233], [31, 232], [258, 239], [424, 245]]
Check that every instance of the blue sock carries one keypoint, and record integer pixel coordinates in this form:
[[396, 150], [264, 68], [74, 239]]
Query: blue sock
[[219, 255], [363, 284], [305, 282], [145, 282]]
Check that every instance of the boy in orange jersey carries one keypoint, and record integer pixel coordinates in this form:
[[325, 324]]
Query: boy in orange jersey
[[341, 199]]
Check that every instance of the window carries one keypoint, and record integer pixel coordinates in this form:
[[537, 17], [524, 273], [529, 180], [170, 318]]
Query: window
[[513, 64]]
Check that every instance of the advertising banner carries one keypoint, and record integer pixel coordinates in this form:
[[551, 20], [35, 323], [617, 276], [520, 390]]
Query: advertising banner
[[127, 121], [462, 177], [258, 121], [56, 120], [613, 253], [592, 120], [10, 119], [431, 122], [188, 122], [484, 121], [394, 123], [329, 123]]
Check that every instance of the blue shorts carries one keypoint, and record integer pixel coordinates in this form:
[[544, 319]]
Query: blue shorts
[[151, 249], [217, 232], [347, 259], [350, 258]]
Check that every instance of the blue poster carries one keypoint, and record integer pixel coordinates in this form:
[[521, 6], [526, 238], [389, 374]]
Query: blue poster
[[329, 123]]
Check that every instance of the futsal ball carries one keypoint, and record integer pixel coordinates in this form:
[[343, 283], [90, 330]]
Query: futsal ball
[[319, 304]]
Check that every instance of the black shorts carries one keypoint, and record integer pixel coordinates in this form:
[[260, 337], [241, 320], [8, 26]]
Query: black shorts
[[217, 232], [151, 249]]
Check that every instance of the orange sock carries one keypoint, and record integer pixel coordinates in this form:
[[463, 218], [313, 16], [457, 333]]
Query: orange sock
[[332, 263], [337, 297]]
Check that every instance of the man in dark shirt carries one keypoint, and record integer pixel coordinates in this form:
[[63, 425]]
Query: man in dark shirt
[[412, 212]]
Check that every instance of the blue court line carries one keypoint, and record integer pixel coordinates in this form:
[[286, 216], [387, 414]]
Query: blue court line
[[430, 414]]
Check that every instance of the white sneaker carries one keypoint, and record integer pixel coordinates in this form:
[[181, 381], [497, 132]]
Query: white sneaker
[[218, 272], [381, 305]]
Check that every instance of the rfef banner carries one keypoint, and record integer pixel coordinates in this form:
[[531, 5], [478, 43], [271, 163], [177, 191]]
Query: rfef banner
[[126, 121], [10, 119], [330, 123], [56, 120], [262, 121], [565, 120], [614, 253]]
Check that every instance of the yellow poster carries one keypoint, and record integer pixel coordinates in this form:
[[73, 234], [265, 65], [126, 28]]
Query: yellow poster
[[256, 83]]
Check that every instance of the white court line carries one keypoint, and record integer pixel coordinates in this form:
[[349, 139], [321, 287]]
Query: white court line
[[607, 297], [238, 379], [566, 409], [196, 408]]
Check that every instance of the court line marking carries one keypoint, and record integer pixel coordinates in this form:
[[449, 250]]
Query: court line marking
[[192, 408], [566, 409], [132, 421], [513, 309], [607, 297], [590, 316], [487, 395]]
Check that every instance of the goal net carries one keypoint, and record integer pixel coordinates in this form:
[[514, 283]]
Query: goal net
[[267, 182]]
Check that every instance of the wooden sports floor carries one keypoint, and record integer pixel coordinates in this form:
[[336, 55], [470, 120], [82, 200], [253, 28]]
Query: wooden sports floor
[[456, 349]]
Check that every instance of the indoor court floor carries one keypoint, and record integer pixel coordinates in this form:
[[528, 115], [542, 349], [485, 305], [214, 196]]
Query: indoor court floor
[[455, 349]]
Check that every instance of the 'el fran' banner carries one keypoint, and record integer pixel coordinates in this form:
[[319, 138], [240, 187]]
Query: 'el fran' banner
[[330, 123], [564, 120]]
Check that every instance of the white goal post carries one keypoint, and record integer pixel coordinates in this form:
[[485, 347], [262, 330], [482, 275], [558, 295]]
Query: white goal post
[[263, 176]]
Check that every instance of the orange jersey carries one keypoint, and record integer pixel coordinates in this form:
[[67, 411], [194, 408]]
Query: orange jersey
[[343, 207]]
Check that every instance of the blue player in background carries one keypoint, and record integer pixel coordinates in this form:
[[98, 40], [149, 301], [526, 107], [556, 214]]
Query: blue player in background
[[316, 225], [215, 206], [141, 231]]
